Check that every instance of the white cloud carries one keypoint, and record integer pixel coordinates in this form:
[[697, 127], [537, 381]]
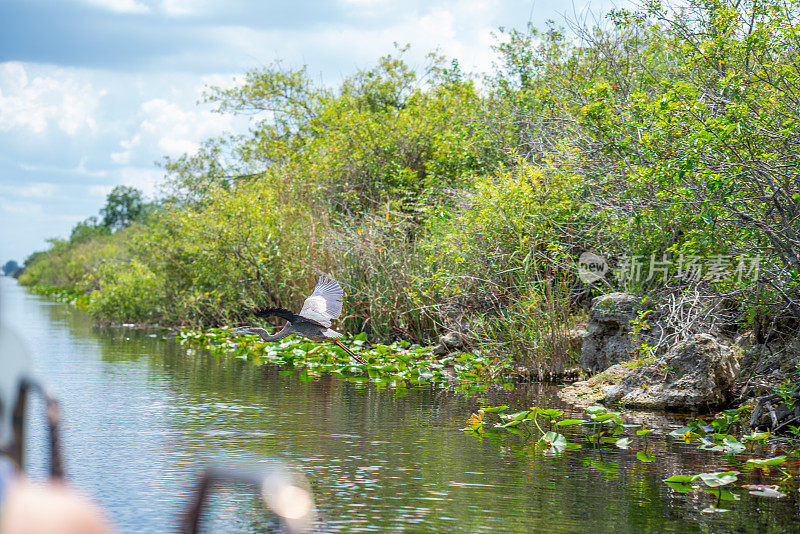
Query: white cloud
[[131, 7], [180, 8], [124, 157], [463, 32], [44, 101], [30, 190], [79, 169], [144, 179], [20, 207], [121, 158], [101, 191], [176, 130]]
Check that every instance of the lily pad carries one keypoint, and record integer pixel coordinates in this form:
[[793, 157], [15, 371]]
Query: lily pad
[[556, 440], [495, 409], [644, 457], [681, 479], [570, 422], [714, 480], [761, 490], [777, 460], [680, 487]]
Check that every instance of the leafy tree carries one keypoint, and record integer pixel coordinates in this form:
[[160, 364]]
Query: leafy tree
[[10, 267], [87, 230], [124, 206]]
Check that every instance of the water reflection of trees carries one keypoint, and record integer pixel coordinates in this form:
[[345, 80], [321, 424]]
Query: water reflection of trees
[[381, 460]]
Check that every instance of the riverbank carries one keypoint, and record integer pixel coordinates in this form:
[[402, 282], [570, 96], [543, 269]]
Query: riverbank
[[485, 217], [143, 416]]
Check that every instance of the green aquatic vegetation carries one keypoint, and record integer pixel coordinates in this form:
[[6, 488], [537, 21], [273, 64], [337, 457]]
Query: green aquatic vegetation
[[495, 409], [765, 463], [599, 464], [553, 443], [714, 434], [712, 483], [549, 442], [603, 426], [398, 365], [63, 294], [644, 432], [623, 443], [755, 435], [475, 422]]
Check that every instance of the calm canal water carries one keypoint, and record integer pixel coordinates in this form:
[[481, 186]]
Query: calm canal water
[[142, 417]]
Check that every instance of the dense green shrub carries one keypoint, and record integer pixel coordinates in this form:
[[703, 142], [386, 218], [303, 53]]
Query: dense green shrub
[[127, 292]]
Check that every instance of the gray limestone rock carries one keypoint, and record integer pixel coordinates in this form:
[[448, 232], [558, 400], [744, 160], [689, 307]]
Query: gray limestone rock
[[607, 340], [694, 376]]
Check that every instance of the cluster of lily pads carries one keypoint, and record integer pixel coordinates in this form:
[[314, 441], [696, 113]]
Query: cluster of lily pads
[[715, 435], [602, 426], [399, 365], [605, 427], [715, 483], [62, 294]]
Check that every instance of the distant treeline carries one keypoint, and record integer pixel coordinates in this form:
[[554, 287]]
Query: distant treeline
[[668, 134]]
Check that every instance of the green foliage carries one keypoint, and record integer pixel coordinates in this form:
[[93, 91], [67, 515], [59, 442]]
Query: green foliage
[[513, 236], [127, 292], [88, 230], [124, 206], [766, 462], [63, 294], [398, 365], [666, 133], [235, 252], [604, 428], [72, 264]]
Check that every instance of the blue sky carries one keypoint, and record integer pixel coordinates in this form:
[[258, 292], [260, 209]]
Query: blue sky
[[94, 92]]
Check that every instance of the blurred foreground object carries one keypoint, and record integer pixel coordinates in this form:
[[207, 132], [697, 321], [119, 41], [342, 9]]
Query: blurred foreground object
[[286, 494], [50, 508], [27, 507], [15, 386], [53, 507]]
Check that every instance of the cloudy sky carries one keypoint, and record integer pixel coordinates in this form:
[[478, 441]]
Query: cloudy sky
[[94, 92]]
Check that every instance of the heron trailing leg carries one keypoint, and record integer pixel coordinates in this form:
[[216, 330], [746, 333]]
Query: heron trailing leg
[[357, 357]]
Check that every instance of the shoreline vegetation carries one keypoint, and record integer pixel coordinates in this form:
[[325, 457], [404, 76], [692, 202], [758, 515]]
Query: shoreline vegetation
[[456, 207]]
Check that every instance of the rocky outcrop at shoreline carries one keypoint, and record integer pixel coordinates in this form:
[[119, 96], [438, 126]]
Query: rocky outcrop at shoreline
[[695, 376], [609, 337]]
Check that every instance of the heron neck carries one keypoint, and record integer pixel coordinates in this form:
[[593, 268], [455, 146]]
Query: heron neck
[[282, 333]]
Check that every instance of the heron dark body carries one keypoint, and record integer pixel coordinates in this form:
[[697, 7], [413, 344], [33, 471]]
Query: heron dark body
[[313, 321], [297, 324]]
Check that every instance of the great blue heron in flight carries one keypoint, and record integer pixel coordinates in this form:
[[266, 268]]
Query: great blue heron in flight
[[313, 321]]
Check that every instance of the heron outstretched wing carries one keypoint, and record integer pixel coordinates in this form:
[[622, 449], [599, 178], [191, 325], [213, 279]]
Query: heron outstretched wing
[[275, 311], [325, 303]]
